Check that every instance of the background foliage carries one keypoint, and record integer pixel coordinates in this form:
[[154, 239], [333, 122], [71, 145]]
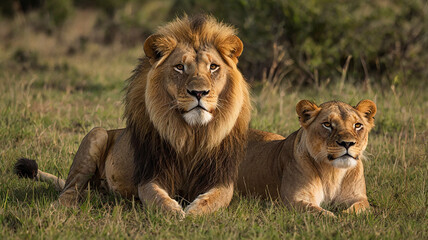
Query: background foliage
[[383, 41]]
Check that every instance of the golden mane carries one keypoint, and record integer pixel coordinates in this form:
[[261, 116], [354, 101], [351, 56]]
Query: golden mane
[[211, 149], [200, 30]]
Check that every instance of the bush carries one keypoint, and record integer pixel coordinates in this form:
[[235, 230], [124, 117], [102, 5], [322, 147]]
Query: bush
[[313, 39], [10, 7], [302, 41], [58, 11]]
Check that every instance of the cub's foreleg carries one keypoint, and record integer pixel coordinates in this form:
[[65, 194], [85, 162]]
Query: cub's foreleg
[[211, 201], [303, 195], [353, 194], [85, 163]]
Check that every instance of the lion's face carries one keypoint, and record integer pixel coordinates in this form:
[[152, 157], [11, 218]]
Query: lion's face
[[193, 81], [190, 78], [336, 133]]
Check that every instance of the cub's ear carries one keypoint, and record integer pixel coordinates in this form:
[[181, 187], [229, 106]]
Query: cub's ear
[[157, 47], [231, 47], [368, 108], [307, 112]]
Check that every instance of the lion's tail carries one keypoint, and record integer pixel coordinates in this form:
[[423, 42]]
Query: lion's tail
[[28, 168]]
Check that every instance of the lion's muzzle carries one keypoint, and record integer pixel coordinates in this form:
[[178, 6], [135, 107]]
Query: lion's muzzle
[[198, 114], [345, 158], [198, 94]]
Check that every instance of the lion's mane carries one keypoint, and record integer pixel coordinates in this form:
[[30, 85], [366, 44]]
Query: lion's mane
[[165, 147]]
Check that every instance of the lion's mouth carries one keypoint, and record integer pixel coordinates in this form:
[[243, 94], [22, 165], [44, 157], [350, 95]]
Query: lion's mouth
[[345, 161], [346, 155], [197, 116], [198, 107]]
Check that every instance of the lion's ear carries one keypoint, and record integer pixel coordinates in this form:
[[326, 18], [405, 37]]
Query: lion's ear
[[150, 47], [231, 47], [156, 47], [307, 112], [368, 108]]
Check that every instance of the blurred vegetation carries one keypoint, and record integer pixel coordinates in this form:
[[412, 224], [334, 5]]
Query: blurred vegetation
[[369, 41]]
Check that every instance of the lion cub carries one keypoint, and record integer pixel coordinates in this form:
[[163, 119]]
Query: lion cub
[[319, 163]]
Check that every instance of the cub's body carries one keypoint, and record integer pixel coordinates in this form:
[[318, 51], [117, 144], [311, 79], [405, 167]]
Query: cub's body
[[319, 163]]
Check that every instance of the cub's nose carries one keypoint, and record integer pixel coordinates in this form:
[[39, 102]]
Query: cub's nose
[[345, 144], [198, 94]]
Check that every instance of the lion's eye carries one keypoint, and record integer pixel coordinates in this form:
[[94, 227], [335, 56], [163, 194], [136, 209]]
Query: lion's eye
[[214, 67], [326, 125], [179, 68], [358, 126]]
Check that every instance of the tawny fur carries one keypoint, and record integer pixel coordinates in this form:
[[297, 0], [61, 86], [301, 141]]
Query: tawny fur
[[300, 170], [160, 154]]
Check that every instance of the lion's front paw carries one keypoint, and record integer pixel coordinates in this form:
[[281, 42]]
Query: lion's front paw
[[67, 199], [174, 208], [178, 212], [198, 207]]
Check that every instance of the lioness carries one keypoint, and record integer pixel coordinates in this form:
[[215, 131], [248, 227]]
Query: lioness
[[319, 163], [187, 111]]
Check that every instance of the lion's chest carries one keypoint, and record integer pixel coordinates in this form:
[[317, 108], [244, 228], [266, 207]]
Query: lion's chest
[[331, 186]]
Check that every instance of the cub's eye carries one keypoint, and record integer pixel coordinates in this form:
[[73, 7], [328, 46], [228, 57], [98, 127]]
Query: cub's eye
[[179, 68], [326, 125], [358, 126], [213, 67]]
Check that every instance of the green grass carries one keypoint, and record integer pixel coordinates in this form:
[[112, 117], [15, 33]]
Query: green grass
[[49, 100]]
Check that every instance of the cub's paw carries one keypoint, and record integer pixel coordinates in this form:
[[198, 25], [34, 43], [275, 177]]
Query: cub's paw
[[328, 214], [357, 208]]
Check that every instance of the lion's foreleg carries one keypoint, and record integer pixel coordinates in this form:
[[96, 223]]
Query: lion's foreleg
[[211, 201], [84, 166], [153, 194]]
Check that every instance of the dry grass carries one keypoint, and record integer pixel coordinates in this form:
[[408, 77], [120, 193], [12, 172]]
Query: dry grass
[[50, 99]]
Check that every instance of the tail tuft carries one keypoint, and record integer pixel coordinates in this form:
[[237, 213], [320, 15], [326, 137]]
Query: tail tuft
[[26, 168]]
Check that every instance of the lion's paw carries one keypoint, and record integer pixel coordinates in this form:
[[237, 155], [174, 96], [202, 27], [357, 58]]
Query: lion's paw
[[198, 207], [175, 209], [179, 213], [67, 199]]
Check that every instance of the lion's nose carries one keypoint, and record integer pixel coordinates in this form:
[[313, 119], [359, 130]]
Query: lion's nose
[[345, 144], [198, 94]]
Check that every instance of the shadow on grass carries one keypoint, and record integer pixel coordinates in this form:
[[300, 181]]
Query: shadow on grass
[[32, 195]]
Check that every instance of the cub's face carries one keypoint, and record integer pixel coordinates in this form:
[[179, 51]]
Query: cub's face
[[336, 132], [194, 82]]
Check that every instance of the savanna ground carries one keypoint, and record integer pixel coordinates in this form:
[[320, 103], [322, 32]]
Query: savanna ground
[[55, 88]]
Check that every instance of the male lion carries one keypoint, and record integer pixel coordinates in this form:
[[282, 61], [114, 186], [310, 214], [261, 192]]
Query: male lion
[[319, 163], [187, 111]]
